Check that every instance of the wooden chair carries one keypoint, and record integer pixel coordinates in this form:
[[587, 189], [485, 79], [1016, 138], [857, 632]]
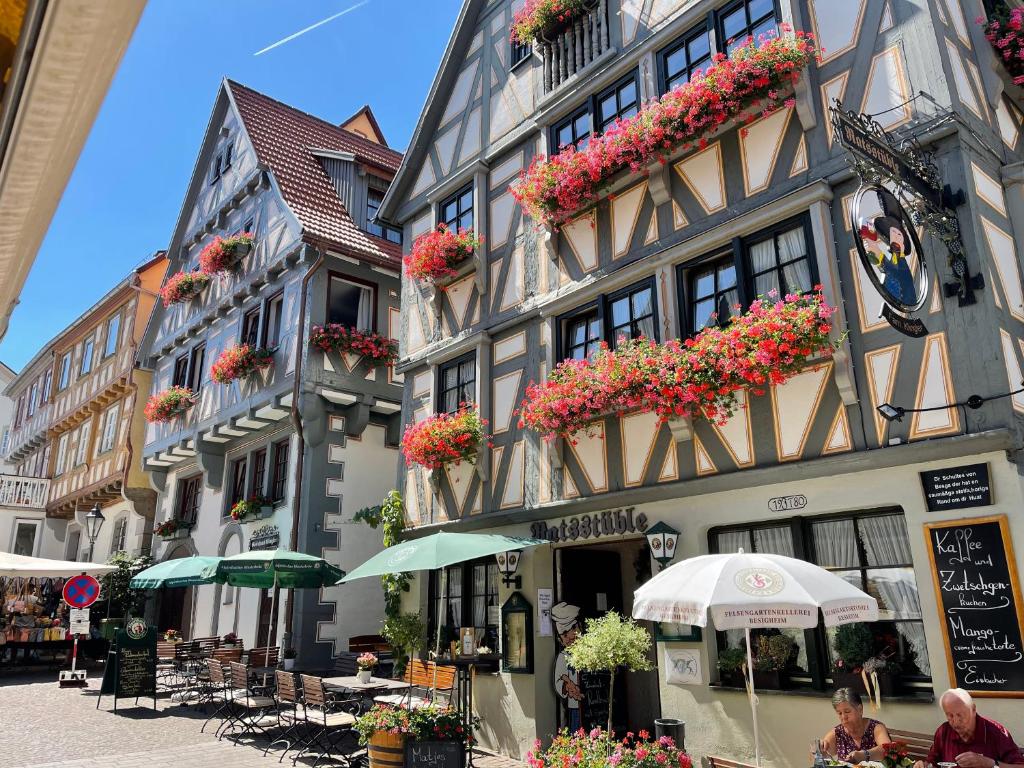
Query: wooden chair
[[221, 695], [166, 670], [918, 744], [359, 643], [711, 761], [329, 722], [419, 675], [266, 656], [291, 716], [250, 706]]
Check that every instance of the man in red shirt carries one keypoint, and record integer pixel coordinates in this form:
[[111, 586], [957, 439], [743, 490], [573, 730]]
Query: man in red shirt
[[968, 739]]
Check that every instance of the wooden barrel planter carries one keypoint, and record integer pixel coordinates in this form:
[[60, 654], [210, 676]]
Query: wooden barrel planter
[[386, 750]]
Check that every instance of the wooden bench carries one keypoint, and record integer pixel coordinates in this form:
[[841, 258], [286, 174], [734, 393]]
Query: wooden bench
[[918, 744], [711, 761], [419, 675], [373, 643]]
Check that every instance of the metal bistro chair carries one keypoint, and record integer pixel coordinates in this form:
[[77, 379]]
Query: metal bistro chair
[[166, 669], [329, 721], [290, 714], [203, 684], [220, 694], [250, 706]]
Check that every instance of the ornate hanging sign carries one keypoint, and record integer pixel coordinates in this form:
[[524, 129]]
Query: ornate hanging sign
[[897, 176]]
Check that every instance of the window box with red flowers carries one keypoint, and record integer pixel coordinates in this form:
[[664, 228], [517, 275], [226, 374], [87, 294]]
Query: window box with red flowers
[[753, 82], [445, 439], [240, 361], [184, 286], [255, 507], [173, 529], [1005, 31], [539, 20], [441, 255], [376, 349], [767, 345], [169, 404], [223, 252]]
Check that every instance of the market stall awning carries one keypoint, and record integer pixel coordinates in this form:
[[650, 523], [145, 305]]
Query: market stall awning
[[181, 572], [20, 565]]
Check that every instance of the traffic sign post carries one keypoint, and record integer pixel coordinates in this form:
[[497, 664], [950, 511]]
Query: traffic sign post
[[79, 593]]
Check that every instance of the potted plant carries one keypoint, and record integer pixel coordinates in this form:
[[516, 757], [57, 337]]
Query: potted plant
[[169, 404], [366, 662], [853, 645], [288, 655], [222, 252], [375, 348], [730, 666], [256, 505], [896, 755], [230, 640], [771, 660], [437, 254], [172, 636], [541, 19], [444, 439], [183, 286], [405, 632], [383, 730], [599, 749], [240, 361], [172, 528], [608, 643]]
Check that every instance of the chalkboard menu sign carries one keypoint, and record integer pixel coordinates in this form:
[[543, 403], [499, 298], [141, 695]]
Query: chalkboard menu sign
[[595, 704], [131, 666], [957, 487], [434, 754], [979, 599]]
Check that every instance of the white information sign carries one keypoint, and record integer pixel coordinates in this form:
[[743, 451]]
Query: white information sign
[[79, 621], [682, 667], [545, 599]]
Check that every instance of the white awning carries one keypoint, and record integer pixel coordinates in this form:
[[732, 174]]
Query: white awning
[[19, 565]]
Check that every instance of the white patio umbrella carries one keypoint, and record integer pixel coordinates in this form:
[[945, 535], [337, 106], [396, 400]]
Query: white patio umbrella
[[751, 591]]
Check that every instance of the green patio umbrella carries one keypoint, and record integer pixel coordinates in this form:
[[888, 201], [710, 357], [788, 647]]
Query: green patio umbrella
[[269, 569], [180, 572]]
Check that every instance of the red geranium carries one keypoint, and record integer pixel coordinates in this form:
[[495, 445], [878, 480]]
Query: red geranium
[[766, 345], [554, 188], [538, 17], [238, 361], [1005, 30], [437, 253], [220, 254], [169, 528], [444, 438], [377, 349], [183, 286], [166, 405]]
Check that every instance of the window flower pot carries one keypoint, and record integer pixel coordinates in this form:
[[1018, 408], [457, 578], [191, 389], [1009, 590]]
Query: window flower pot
[[444, 439], [222, 253], [169, 404], [438, 255], [240, 361], [545, 20], [375, 348], [184, 286]]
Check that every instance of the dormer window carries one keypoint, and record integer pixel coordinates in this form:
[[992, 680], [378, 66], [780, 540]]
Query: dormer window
[[222, 162], [373, 200]]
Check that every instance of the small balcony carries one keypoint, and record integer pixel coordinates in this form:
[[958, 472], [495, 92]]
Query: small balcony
[[24, 492], [573, 49]]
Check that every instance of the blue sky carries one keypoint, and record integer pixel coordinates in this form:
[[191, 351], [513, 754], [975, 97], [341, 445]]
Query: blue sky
[[124, 196]]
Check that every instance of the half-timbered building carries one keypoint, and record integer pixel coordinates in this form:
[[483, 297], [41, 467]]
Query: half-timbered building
[[812, 467], [307, 434]]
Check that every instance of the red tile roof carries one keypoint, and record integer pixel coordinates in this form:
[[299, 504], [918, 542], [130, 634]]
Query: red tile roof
[[284, 139]]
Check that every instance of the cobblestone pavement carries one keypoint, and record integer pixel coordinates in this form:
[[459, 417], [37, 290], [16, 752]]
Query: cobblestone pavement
[[47, 727]]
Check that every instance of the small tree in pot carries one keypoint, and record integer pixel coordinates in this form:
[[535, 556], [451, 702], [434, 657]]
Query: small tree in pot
[[406, 633], [771, 660], [608, 643]]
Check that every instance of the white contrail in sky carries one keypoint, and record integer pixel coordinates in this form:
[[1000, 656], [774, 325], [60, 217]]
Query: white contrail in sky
[[311, 27]]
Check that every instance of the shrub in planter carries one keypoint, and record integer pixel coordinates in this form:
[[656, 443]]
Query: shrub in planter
[[599, 749], [250, 507], [373, 347], [772, 655], [537, 19], [229, 639], [750, 83], [444, 439], [766, 345], [183, 286], [730, 666], [1005, 31], [239, 361], [169, 404], [220, 254], [437, 254]]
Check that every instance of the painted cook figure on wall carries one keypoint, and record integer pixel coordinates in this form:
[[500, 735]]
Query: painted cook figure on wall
[[890, 248], [567, 679]]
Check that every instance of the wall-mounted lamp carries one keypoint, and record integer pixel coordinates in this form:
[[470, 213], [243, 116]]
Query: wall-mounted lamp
[[508, 563], [891, 412], [662, 540]]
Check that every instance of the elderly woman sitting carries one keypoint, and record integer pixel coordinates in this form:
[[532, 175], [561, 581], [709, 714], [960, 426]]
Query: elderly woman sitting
[[855, 739]]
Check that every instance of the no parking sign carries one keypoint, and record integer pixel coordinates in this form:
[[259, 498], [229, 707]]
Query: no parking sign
[[81, 591]]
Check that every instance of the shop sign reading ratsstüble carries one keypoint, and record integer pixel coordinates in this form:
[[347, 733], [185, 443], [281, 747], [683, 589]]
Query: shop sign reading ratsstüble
[[615, 522]]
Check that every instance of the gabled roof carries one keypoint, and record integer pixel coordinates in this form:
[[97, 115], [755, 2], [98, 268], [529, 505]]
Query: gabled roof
[[437, 100], [284, 139], [367, 113]]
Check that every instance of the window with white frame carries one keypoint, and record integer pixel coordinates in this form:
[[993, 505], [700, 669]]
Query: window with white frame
[[110, 419], [117, 544], [113, 331], [5, 442], [83, 443], [87, 350], [350, 303], [62, 452], [65, 372], [26, 534], [33, 396]]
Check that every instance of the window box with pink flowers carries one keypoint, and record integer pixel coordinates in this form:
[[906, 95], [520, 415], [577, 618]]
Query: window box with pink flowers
[[540, 20], [445, 439], [222, 253], [1005, 31], [183, 286], [441, 255], [240, 361], [168, 405], [375, 348]]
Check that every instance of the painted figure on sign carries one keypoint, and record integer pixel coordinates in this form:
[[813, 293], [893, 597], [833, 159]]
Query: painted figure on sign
[[567, 679], [890, 246]]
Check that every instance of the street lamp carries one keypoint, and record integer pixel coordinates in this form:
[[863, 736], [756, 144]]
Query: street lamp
[[662, 540], [93, 523], [508, 562]]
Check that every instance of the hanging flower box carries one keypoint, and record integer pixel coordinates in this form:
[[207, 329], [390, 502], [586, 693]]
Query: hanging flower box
[[169, 404], [766, 345], [222, 253], [751, 83], [183, 286], [375, 348], [172, 528], [438, 254], [1005, 31], [540, 19], [444, 439], [240, 361], [255, 507]]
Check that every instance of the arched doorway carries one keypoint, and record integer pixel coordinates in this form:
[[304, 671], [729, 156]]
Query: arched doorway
[[175, 611], [226, 598]]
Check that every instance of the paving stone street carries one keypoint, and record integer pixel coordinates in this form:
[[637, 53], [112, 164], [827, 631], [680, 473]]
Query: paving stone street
[[47, 727]]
